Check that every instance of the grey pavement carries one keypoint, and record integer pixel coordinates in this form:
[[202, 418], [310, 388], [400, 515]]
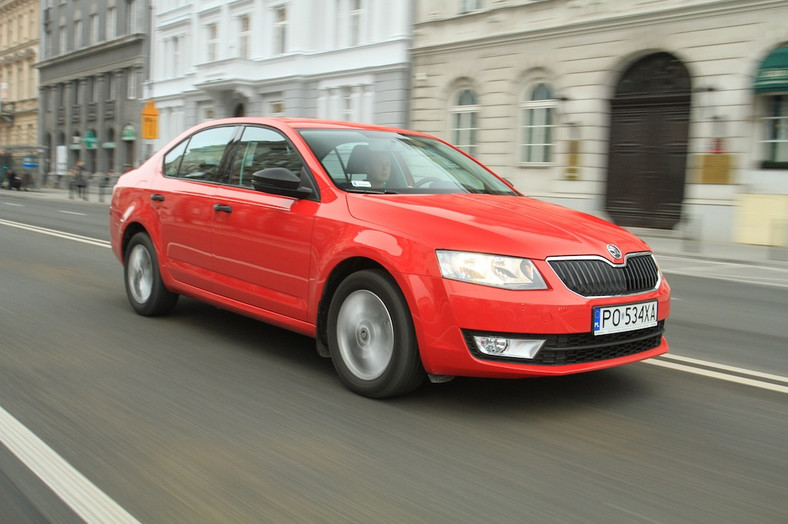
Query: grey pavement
[[675, 253]]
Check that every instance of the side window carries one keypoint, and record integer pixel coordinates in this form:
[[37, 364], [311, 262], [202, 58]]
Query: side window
[[172, 160], [261, 148], [198, 158]]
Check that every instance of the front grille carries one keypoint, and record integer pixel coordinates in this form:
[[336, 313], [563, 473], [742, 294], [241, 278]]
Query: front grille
[[579, 348], [595, 277]]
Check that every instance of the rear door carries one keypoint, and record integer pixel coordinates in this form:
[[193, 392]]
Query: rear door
[[183, 202]]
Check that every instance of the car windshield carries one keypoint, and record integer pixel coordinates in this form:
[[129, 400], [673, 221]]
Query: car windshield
[[389, 162]]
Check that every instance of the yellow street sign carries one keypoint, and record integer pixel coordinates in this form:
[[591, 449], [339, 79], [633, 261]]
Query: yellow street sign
[[150, 120]]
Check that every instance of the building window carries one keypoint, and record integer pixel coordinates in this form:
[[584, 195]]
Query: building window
[[276, 108], [776, 132], [347, 104], [464, 121], [133, 77], [175, 55], [131, 16], [212, 36], [50, 44], [280, 30], [94, 94], [538, 114], [355, 22], [63, 40], [112, 23], [78, 41], [22, 79], [94, 29], [466, 6], [112, 91], [244, 36]]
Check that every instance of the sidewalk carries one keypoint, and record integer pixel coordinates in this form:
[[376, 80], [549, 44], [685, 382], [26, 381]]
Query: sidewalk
[[666, 244], [673, 245], [61, 193]]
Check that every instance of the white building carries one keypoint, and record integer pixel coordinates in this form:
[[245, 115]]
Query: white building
[[335, 59], [666, 114]]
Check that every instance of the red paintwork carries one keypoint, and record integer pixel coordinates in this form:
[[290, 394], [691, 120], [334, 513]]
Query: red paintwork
[[279, 276]]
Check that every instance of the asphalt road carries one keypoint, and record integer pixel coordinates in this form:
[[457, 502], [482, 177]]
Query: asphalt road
[[206, 416]]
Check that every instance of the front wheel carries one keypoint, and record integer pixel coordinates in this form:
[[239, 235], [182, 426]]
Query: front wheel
[[141, 274], [371, 337]]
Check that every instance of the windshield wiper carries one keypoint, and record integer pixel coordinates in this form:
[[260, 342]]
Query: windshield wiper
[[370, 191]]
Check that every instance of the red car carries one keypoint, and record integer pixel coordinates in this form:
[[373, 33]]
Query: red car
[[402, 256]]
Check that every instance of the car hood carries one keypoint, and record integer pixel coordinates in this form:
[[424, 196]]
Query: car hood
[[508, 225]]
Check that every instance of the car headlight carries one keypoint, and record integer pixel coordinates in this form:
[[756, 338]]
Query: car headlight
[[490, 270]]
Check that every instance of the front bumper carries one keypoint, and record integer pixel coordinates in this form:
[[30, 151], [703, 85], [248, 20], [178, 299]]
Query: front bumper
[[448, 314]]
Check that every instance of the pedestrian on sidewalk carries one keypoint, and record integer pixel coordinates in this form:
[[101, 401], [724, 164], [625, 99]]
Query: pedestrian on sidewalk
[[13, 180], [105, 183], [78, 181]]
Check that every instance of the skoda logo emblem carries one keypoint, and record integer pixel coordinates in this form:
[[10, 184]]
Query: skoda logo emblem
[[614, 251]]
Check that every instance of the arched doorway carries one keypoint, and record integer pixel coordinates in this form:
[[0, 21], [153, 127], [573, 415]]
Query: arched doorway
[[649, 129], [239, 110]]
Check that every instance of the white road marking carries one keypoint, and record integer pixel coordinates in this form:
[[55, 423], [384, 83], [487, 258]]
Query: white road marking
[[722, 375], [73, 488], [775, 276], [72, 213], [81, 495], [13, 204], [723, 367], [59, 234]]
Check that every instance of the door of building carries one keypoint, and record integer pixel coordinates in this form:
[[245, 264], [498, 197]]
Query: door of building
[[649, 131]]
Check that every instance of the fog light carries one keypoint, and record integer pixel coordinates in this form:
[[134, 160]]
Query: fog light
[[492, 345], [508, 347]]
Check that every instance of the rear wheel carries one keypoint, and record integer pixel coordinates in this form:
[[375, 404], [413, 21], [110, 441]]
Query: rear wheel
[[141, 274], [371, 337]]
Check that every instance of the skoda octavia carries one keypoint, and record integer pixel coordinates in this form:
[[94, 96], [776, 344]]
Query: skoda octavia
[[403, 257]]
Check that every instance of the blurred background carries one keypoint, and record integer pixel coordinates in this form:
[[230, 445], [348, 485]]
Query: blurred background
[[666, 115]]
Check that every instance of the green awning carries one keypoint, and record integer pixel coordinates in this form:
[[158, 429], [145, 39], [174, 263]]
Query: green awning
[[773, 73]]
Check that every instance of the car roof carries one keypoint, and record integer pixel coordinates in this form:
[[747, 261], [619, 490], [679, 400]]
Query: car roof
[[306, 123]]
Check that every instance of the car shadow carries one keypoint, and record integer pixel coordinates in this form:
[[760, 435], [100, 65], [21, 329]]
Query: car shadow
[[615, 387]]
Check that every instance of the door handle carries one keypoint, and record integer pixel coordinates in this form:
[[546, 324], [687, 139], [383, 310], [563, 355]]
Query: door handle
[[223, 208], [156, 197]]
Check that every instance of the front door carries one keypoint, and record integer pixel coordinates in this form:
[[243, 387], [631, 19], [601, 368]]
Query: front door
[[262, 242], [648, 144]]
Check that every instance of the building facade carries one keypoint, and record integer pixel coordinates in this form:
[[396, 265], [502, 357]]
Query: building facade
[[91, 73], [669, 114], [337, 59], [19, 85]]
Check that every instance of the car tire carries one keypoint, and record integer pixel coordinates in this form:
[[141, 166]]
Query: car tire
[[371, 337], [141, 274]]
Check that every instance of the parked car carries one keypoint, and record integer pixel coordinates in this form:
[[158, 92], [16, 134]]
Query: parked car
[[402, 256]]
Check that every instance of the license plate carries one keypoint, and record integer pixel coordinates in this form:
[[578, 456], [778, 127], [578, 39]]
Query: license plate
[[615, 319]]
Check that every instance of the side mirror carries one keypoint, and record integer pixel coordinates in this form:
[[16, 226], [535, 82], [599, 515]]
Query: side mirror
[[280, 181]]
